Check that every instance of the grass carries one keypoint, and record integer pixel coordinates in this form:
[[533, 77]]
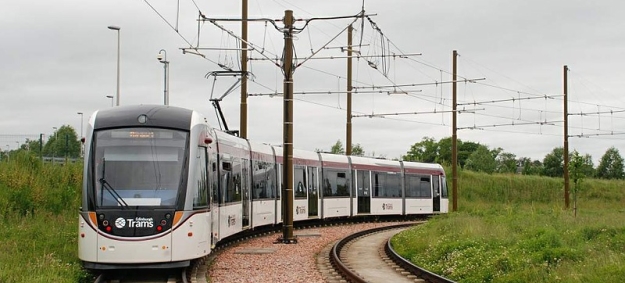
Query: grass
[[510, 228], [513, 228], [38, 214]]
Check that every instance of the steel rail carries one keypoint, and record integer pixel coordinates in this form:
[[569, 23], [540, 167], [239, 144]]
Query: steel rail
[[412, 268]]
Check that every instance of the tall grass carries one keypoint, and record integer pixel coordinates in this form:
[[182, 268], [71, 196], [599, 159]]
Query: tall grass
[[513, 228], [38, 214]]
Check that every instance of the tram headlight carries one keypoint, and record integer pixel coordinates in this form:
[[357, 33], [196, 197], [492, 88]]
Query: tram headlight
[[105, 222], [163, 222]]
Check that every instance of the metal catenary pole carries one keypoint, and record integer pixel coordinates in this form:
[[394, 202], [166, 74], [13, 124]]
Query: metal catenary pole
[[287, 178]]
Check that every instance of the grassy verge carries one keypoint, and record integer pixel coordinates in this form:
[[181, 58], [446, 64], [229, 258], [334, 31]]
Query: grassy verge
[[38, 214], [513, 229]]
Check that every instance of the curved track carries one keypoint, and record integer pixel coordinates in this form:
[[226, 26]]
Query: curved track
[[362, 257], [410, 267]]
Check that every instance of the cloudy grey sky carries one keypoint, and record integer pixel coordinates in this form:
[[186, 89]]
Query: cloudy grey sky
[[59, 58]]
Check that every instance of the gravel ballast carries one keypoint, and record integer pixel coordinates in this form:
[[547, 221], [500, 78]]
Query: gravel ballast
[[260, 260]]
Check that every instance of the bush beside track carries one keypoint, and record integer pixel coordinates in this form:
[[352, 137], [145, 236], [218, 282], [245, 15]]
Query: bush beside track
[[513, 228]]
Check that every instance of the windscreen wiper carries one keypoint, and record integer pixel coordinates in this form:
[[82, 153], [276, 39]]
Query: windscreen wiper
[[105, 185]]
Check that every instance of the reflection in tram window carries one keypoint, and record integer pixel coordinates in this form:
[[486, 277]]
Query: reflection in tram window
[[264, 175], [201, 178], [335, 183], [418, 186], [444, 193], [363, 183], [299, 180], [386, 185], [312, 181], [435, 186]]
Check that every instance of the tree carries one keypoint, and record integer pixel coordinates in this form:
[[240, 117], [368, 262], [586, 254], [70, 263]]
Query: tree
[[465, 149], [611, 165], [482, 160], [576, 172], [337, 148], [357, 150], [588, 167], [63, 143], [530, 167], [444, 150], [506, 162], [424, 151], [553, 164]]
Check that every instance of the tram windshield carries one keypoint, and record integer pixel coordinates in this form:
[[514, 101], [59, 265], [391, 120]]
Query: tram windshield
[[138, 166]]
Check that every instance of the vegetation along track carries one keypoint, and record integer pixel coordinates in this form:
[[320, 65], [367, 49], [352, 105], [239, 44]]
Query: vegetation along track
[[367, 256]]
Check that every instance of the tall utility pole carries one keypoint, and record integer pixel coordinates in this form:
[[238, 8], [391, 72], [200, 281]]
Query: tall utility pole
[[454, 136], [118, 29], [287, 133], [243, 122], [348, 140], [566, 140]]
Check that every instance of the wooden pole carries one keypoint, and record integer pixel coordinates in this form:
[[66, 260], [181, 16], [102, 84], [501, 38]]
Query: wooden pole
[[454, 136], [348, 139], [566, 140], [243, 122]]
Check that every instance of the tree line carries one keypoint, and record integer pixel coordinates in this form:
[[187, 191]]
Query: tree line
[[478, 157], [64, 142]]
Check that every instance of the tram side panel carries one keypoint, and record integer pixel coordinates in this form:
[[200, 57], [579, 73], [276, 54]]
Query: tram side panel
[[264, 185], [191, 239], [423, 185], [305, 200], [335, 186], [88, 237], [379, 186], [232, 152]]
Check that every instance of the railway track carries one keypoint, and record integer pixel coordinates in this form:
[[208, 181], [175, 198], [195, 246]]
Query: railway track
[[367, 256], [177, 275]]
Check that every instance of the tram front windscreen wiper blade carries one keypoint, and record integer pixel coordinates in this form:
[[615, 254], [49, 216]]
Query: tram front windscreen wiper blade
[[105, 185]]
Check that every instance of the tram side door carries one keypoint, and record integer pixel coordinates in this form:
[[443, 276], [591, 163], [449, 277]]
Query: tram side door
[[246, 193], [363, 184], [436, 205], [313, 193]]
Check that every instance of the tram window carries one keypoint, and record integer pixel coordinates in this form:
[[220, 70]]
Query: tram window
[[335, 183], [444, 193], [363, 183], [231, 181], [216, 190], [386, 185], [418, 186], [201, 179], [299, 181], [435, 186], [263, 180], [312, 181]]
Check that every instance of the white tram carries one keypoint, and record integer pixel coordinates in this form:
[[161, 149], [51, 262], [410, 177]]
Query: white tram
[[161, 187]]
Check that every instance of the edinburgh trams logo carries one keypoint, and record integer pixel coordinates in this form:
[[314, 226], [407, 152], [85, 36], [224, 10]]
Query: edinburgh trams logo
[[120, 222], [137, 222]]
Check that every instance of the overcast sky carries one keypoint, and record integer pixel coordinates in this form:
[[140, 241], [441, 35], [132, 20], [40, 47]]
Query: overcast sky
[[59, 58]]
